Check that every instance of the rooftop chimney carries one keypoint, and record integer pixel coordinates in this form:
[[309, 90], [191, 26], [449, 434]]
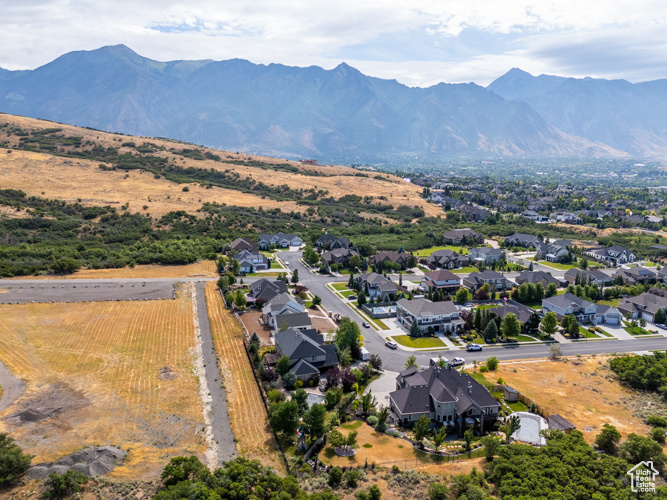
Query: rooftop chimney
[[469, 388]]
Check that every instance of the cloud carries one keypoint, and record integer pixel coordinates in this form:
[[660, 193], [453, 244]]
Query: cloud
[[418, 42]]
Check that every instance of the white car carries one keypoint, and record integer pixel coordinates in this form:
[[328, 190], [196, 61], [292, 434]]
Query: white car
[[474, 347], [391, 344], [457, 361]]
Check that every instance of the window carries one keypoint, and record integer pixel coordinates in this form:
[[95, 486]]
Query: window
[[314, 358]]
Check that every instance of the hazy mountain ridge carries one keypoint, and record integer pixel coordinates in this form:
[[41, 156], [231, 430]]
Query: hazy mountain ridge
[[626, 116], [280, 110]]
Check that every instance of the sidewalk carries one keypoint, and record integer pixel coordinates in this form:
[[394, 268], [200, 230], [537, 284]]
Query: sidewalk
[[560, 339]]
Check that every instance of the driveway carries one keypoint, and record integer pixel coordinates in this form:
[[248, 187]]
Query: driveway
[[382, 386]]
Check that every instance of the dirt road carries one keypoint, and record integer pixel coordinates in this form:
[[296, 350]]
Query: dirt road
[[12, 388]]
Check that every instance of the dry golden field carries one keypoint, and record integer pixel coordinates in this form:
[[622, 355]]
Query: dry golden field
[[71, 179], [247, 413], [93, 369], [584, 391], [202, 269]]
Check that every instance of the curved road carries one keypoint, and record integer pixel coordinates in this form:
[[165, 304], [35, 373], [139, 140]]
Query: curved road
[[394, 360]]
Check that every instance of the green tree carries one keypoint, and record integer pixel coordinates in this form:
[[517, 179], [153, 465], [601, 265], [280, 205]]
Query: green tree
[[439, 438], [284, 417], [462, 295], [510, 326], [62, 485], [552, 289], [313, 420], [438, 491], [351, 441], [382, 416], [361, 298], [355, 262], [13, 462], [411, 361], [236, 267], [310, 255], [468, 436], [421, 428], [289, 380], [283, 365], [658, 435], [510, 426], [239, 299], [659, 317], [491, 331], [301, 398], [335, 476], [549, 323], [184, 469], [639, 449], [332, 397], [295, 276], [491, 447], [348, 335], [414, 329], [492, 363], [317, 300], [608, 439]]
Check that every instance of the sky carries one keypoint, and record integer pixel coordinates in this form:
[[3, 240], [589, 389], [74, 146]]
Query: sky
[[417, 42]]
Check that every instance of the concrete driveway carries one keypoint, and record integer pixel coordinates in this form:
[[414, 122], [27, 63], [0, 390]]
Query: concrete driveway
[[382, 386]]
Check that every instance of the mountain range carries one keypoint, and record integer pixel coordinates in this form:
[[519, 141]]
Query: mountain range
[[339, 114]]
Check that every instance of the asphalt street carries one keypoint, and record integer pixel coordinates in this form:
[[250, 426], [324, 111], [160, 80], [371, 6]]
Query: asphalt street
[[395, 359]]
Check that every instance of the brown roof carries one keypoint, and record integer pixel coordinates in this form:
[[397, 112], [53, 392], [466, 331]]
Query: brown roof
[[442, 275]]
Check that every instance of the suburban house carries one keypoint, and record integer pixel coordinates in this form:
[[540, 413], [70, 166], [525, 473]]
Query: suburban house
[[442, 279], [445, 396], [552, 253], [568, 303], [588, 277], [608, 315], [379, 288], [400, 258], [462, 236], [566, 217], [280, 240], [446, 259], [339, 256], [643, 306], [522, 240], [476, 280], [264, 290], [614, 255], [309, 355], [328, 242], [472, 213], [636, 274], [244, 244], [485, 255], [252, 261], [441, 316], [534, 216], [286, 311], [544, 278], [523, 313]]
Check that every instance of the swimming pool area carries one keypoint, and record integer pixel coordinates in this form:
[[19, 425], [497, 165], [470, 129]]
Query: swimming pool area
[[314, 399], [383, 309]]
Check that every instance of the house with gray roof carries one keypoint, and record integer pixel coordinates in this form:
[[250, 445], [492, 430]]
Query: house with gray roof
[[251, 262], [280, 240], [440, 316], [522, 240], [446, 259], [588, 277], [379, 288], [613, 255], [339, 256], [264, 290], [400, 258], [309, 355], [485, 255], [329, 242], [568, 303], [542, 277], [442, 279], [446, 396], [285, 310], [643, 306], [244, 244], [462, 236], [476, 280], [636, 274]]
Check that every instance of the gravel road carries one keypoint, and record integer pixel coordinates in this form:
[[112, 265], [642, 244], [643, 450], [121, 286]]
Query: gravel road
[[12, 388]]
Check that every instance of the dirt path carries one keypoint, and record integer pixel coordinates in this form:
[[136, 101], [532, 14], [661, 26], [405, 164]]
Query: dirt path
[[219, 416], [12, 388]]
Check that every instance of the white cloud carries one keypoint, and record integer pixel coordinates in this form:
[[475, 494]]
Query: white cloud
[[433, 40]]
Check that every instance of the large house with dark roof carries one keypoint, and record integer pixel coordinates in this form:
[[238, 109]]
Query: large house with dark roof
[[286, 311], [379, 288], [462, 236], [446, 259], [544, 278], [588, 277], [441, 279], [308, 354], [476, 280], [568, 303], [445, 396], [614, 255], [645, 306], [400, 258], [523, 240], [441, 316], [328, 242], [636, 274], [263, 290], [244, 244], [339, 256], [280, 240], [251, 262]]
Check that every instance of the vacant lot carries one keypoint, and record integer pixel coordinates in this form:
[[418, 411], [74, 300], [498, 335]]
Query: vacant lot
[[201, 269], [102, 373], [584, 391], [247, 413]]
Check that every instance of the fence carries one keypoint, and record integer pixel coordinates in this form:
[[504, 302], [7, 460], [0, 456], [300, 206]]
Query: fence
[[539, 410]]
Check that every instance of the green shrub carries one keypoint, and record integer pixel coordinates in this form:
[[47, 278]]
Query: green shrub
[[372, 420], [61, 485], [335, 476], [656, 421], [484, 369], [13, 462], [658, 435]]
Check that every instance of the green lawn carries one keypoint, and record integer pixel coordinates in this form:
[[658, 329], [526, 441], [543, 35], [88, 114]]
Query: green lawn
[[557, 265], [648, 263], [611, 302], [348, 293], [517, 406], [586, 334], [419, 342], [428, 251], [276, 265], [487, 306], [526, 338], [339, 286], [465, 270], [637, 330]]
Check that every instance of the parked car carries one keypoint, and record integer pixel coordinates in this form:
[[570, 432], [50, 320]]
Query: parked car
[[391, 344], [366, 324], [457, 361], [474, 347], [352, 297]]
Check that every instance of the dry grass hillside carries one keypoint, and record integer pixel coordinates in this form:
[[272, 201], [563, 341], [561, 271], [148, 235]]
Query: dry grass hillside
[[71, 179]]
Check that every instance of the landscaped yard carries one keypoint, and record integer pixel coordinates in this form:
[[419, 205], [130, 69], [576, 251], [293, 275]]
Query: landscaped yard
[[465, 270], [428, 251], [558, 265], [347, 293], [635, 330], [517, 406], [339, 286], [276, 265], [611, 302], [419, 342]]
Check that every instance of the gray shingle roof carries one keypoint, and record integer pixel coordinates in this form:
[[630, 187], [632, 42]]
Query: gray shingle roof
[[424, 307], [564, 301]]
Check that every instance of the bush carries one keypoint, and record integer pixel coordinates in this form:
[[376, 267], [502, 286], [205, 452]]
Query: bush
[[372, 420], [61, 485], [484, 369], [438, 491], [289, 380], [351, 478], [335, 476], [13, 462], [658, 435], [656, 421], [492, 363]]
